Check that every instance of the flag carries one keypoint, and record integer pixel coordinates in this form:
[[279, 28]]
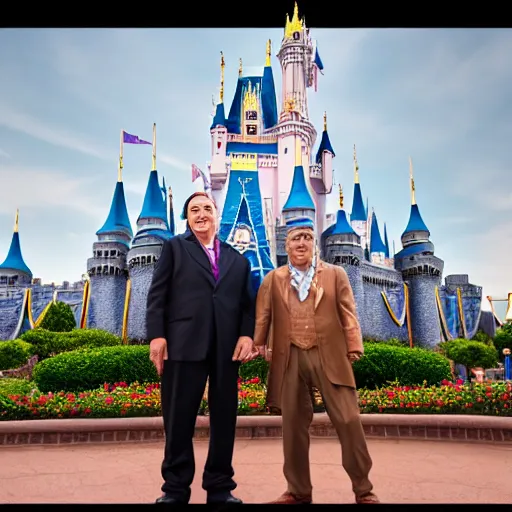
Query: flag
[[133, 139], [317, 65], [196, 173]]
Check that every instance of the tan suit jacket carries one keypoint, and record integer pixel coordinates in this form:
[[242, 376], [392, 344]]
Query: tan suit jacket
[[337, 326]]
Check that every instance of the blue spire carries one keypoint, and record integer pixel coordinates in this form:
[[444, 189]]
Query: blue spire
[[220, 117], [386, 242], [358, 210], [14, 260], [299, 198], [117, 220], [325, 143], [154, 204], [268, 99], [415, 221], [342, 227], [376, 243]]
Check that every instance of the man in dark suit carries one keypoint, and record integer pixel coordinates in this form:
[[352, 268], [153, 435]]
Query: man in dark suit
[[200, 320]]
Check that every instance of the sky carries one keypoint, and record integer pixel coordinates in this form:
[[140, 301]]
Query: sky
[[440, 96]]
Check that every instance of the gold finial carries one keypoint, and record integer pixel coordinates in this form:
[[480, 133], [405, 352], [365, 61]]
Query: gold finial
[[154, 147], [269, 51], [295, 25], [240, 68], [16, 220], [341, 197], [413, 188], [325, 121], [298, 151], [356, 167], [222, 65]]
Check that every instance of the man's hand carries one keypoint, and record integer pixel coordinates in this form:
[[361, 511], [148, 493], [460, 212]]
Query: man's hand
[[265, 352], [158, 353], [245, 350], [354, 356]]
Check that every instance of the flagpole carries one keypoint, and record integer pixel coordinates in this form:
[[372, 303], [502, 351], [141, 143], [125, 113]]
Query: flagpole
[[154, 147], [120, 169]]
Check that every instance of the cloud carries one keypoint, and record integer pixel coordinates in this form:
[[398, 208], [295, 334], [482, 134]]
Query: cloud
[[4, 154], [39, 188], [175, 163], [60, 137]]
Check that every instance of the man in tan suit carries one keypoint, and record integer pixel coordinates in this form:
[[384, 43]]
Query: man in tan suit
[[307, 326]]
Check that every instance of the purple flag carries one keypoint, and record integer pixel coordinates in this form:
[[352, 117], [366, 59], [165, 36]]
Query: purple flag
[[133, 139]]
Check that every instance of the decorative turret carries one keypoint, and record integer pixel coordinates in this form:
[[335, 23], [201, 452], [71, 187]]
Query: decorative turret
[[152, 223], [321, 174], [342, 245], [377, 247], [109, 252], [14, 271], [359, 215], [268, 93], [416, 231], [299, 203], [219, 134]]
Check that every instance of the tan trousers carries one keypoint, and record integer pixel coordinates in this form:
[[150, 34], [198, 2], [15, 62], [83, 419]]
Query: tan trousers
[[305, 371]]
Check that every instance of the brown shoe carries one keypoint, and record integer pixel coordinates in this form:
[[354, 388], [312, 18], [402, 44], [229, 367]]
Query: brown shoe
[[288, 498], [367, 499]]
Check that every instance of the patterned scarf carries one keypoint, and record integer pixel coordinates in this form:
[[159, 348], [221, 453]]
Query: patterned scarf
[[300, 281]]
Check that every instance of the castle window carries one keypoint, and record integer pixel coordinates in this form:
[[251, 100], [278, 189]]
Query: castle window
[[100, 254], [285, 150], [251, 115], [113, 253], [112, 271], [251, 129]]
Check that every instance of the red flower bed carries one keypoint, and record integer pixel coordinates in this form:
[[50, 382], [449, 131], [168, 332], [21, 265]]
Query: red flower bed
[[137, 400]]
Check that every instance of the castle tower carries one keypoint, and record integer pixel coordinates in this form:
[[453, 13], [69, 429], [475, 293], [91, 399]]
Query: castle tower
[[377, 247], [321, 176], [219, 138], [298, 204], [422, 271], [359, 215], [294, 127], [152, 231], [342, 246], [107, 268], [14, 271], [388, 261]]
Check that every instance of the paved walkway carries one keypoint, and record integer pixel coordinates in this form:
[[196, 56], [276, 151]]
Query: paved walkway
[[404, 471]]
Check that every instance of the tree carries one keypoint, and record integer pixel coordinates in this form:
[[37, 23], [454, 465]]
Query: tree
[[59, 318], [503, 338], [470, 354]]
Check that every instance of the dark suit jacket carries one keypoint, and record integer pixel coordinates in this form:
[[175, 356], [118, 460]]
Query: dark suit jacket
[[188, 308]]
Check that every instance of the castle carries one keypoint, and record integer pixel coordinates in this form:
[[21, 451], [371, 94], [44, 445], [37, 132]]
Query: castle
[[263, 172]]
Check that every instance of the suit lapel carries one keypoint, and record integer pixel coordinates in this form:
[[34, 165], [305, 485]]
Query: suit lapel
[[197, 253], [317, 283]]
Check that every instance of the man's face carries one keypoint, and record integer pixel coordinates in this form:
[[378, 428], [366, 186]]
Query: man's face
[[201, 215], [300, 245]]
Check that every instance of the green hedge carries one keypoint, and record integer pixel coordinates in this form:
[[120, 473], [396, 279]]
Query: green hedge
[[87, 369], [59, 318], [14, 354], [382, 364], [48, 343]]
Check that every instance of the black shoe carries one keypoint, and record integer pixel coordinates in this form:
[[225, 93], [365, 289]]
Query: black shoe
[[167, 499], [223, 499]]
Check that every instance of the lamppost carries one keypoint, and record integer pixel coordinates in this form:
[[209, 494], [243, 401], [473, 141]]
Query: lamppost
[[508, 364]]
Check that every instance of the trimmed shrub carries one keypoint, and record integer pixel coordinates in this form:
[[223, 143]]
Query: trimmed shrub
[[59, 318], [87, 369], [14, 354], [49, 343], [470, 354], [383, 364]]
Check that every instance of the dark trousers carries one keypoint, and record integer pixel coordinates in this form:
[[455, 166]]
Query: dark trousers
[[182, 388]]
